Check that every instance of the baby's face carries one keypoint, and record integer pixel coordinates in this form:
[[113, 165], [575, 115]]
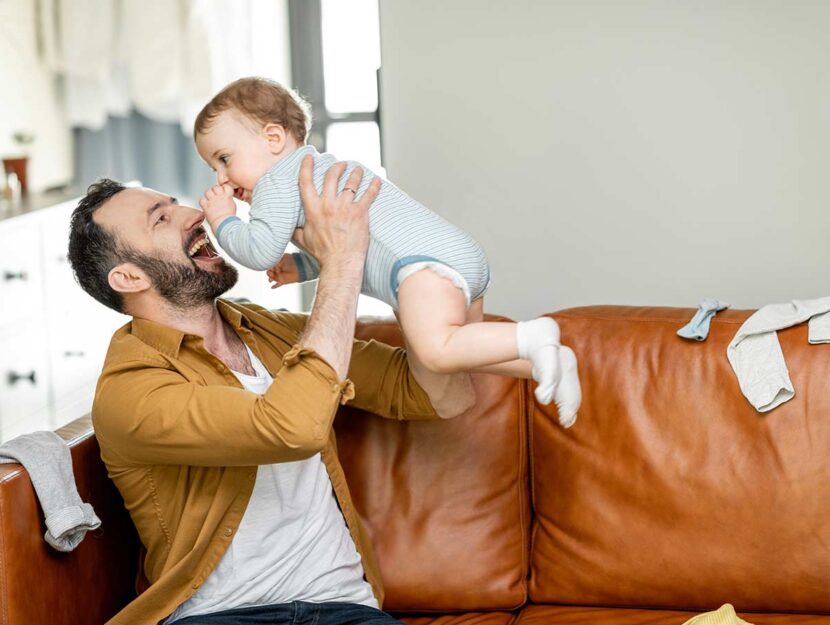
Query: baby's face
[[236, 151]]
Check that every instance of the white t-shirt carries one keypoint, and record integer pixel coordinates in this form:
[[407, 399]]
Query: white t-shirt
[[292, 543]]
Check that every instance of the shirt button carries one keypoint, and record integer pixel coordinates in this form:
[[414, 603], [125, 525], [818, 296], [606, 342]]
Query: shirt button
[[252, 475], [228, 531], [335, 387], [196, 586]]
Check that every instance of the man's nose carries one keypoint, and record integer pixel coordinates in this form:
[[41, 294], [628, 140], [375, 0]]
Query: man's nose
[[192, 217]]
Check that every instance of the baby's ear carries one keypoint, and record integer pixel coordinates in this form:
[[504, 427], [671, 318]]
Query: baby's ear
[[276, 137]]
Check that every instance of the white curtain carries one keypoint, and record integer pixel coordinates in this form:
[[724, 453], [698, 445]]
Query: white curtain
[[31, 100], [163, 58]]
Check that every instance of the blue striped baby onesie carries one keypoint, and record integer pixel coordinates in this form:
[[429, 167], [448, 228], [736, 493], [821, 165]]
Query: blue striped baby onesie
[[401, 230]]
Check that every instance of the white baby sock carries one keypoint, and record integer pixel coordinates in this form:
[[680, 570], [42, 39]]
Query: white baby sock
[[538, 342], [568, 395]]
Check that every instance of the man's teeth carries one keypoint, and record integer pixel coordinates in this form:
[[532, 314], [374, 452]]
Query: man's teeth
[[197, 246]]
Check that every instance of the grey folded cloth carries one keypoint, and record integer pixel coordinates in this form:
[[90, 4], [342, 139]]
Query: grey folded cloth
[[46, 458], [698, 328]]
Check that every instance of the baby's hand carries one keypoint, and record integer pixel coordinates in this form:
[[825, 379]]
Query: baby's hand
[[218, 204], [284, 272]]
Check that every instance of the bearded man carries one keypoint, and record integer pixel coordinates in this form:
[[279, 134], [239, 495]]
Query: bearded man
[[215, 418]]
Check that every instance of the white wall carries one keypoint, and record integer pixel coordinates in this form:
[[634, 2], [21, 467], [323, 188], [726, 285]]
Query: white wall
[[649, 152]]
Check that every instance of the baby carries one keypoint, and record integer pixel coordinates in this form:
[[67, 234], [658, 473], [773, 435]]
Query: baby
[[253, 134]]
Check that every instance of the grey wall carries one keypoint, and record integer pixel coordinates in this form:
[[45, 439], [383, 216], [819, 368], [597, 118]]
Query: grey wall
[[649, 152]]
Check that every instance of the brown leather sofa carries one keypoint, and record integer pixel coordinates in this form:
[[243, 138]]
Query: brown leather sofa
[[670, 495]]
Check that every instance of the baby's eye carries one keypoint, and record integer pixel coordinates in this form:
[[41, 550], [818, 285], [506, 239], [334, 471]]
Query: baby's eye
[[223, 160]]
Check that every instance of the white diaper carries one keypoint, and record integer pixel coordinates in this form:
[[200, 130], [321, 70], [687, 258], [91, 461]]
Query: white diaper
[[445, 271]]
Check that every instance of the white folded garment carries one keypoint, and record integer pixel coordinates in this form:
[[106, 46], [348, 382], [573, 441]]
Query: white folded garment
[[755, 353]]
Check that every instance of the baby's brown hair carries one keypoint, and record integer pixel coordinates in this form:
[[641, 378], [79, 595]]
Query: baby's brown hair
[[261, 100]]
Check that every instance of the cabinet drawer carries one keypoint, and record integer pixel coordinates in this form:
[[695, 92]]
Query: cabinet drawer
[[24, 379], [77, 346], [21, 278]]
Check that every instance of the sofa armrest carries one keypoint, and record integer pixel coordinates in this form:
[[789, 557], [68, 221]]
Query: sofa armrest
[[87, 585]]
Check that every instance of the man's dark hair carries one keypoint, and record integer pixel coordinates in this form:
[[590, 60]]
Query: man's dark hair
[[93, 251]]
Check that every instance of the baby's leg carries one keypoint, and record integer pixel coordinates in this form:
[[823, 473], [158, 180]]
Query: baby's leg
[[568, 392], [433, 316], [518, 368], [538, 344]]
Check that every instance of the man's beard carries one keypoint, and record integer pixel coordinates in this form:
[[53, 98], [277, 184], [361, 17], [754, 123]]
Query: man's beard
[[184, 286]]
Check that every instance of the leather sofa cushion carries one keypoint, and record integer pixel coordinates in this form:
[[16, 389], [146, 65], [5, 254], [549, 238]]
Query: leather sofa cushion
[[671, 491], [445, 502], [567, 615], [87, 585]]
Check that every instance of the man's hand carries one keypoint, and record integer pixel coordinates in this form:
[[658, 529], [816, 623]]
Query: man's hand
[[336, 233], [284, 272], [218, 204], [337, 226]]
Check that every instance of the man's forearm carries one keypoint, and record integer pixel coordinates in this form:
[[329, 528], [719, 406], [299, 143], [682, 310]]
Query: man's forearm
[[330, 327]]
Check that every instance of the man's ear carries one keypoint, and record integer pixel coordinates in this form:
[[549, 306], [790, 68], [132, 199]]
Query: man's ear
[[276, 136], [128, 278]]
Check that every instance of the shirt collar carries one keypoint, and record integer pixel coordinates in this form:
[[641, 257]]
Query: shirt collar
[[168, 340]]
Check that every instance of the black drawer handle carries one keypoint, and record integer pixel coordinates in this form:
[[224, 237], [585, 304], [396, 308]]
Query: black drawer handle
[[8, 276], [13, 377], [74, 353]]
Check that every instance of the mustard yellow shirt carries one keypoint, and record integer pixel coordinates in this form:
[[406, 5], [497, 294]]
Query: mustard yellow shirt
[[182, 439]]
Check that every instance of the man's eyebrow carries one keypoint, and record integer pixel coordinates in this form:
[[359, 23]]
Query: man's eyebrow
[[152, 210], [157, 206]]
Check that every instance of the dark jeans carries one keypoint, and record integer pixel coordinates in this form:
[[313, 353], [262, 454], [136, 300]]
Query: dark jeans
[[294, 613]]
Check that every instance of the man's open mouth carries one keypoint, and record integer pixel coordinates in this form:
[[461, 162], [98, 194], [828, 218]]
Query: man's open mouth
[[202, 249]]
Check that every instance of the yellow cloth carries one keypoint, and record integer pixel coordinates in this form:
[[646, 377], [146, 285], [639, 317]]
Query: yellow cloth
[[725, 615], [182, 439]]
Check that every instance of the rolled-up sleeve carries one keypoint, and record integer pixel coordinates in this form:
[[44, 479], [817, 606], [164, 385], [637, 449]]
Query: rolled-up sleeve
[[383, 382], [150, 414]]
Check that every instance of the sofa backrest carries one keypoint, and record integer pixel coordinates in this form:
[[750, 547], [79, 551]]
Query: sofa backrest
[[87, 585], [671, 490], [445, 503]]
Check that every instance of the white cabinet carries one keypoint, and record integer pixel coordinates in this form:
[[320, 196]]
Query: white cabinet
[[53, 336]]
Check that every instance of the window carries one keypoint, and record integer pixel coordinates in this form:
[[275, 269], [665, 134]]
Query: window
[[335, 58]]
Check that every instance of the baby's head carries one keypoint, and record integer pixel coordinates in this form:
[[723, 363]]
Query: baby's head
[[247, 127]]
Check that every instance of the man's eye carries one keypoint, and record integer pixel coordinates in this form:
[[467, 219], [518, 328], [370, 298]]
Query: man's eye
[[160, 219]]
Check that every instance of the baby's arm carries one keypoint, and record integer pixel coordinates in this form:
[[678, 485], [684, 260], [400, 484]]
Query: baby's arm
[[298, 267], [218, 204], [307, 266], [259, 244]]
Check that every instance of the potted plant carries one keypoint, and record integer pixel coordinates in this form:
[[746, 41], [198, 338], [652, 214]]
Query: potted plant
[[17, 165]]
